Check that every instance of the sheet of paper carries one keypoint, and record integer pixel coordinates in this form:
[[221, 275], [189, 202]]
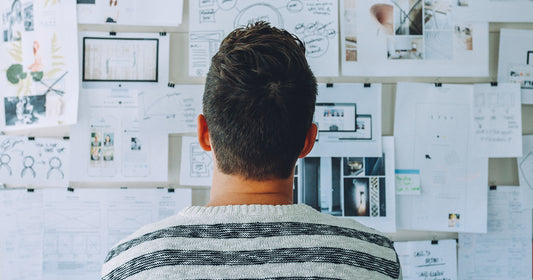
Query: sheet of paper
[[81, 226], [361, 187], [412, 38], [515, 63], [433, 134], [504, 251], [108, 143], [21, 234], [314, 22], [34, 161], [407, 181], [427, 260], [39, 65], [196, 164], [525, 172], [502, 10], [172, 109], [348, 117], [497, 123], [121, 61], [131, 12]]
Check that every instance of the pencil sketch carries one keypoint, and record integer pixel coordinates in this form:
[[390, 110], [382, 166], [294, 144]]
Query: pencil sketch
[[201, 162], [315, 23]]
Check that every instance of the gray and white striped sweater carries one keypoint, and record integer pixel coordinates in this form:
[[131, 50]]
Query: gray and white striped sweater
[[253, 242]]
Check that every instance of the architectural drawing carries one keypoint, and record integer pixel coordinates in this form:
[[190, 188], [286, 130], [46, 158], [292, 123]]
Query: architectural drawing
[[315, 23], [40, 62], [33, 162], [173, 110], [411, 38]]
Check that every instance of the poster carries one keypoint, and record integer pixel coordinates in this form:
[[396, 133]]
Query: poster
[[348, 117], [433, 135], [28, 161], [38, 59], [515, 63], [108, 143], [130, 12], [314, 22], [411, 38], [360, 187]]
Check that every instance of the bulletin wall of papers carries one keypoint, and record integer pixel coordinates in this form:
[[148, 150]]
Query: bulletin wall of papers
[[424, 109]]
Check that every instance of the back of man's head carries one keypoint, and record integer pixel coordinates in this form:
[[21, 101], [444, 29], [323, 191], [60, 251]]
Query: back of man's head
[[259, 102]]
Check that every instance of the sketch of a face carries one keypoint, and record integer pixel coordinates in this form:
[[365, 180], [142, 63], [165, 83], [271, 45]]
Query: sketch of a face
[[28, 161]]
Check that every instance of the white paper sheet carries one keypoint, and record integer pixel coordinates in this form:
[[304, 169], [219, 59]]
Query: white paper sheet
[[425, 260], [349, 120], [314, 22], [497, 120], [515, 63], [196, 164], [58, 234], [361, 188], [131, 12], [81, 226], [173, 110], [411, 38], [501, 10], [36, 162], [21, 234], [124, 60], [504, 252], [433, 135], [39, 64], [108, 143], [525, 172]]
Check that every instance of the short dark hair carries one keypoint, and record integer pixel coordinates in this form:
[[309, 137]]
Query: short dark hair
[[259, 102]]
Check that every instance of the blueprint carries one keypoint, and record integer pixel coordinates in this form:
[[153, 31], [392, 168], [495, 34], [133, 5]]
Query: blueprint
[[412, 38], [109, 144], [173, 109], [196, 164], [28, 161], [39, 65], [348, 117], [314, 22], [433, 135], [504, 252]]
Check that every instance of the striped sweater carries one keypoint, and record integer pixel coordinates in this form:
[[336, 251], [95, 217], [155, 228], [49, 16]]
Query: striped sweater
[[253, 242]]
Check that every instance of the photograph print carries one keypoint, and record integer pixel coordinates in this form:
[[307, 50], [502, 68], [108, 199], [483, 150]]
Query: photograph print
[[24, 110], [356, 197]]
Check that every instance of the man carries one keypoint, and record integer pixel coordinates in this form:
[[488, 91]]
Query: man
[[258, 109]]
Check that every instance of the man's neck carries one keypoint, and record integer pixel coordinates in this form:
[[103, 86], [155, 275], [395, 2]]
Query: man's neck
[[236, 190]]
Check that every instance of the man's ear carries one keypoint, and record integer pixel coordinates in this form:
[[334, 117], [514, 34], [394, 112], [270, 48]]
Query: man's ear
[[203, 133], [309, 140]]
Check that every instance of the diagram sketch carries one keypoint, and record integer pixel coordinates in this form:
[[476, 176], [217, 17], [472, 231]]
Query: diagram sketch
[[39, 59], [173, 110], [196, 164], [411, 38], [315, 23], [33, 162]]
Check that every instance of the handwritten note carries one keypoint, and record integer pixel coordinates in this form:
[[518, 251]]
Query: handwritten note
[[497, 120], [428, 259], [407, 181]]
